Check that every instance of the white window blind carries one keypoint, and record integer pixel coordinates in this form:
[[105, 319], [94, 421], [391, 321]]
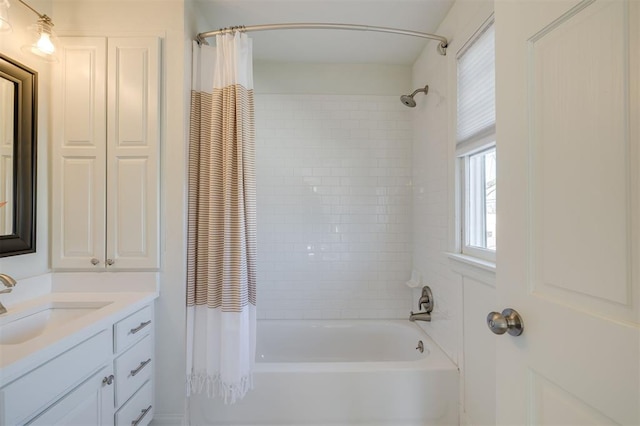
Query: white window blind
[[476, 88]]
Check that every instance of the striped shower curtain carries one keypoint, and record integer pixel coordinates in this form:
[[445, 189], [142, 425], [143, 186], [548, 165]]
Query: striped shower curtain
[[221, 253]]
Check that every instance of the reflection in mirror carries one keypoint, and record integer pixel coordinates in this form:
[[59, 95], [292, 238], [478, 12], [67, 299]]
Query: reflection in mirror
[[7, 99], [18, 121]]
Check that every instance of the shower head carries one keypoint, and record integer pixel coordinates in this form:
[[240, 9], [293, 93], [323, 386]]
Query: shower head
[[408, 100]]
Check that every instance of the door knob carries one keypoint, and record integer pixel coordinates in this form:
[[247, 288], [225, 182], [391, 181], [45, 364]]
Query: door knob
[[509, 321], [94, 261]]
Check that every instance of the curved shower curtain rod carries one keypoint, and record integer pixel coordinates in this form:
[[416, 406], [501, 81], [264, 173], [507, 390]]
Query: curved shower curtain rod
[[442, 46]]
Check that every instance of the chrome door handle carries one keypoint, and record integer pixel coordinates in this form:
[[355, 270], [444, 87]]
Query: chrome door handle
[[142, 365], [140, 327], [509, 321], [141, 416]]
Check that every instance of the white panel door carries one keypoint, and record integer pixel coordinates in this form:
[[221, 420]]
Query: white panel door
[[132, 153], [79, 142], [569, 243]]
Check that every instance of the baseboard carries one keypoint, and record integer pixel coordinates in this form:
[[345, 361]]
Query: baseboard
[[176, 420], [166, 420]]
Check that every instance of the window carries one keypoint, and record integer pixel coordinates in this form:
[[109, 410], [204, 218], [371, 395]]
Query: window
[[481, 205], [476, 144]]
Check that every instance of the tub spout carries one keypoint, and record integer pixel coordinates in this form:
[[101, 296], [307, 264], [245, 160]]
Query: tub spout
[[420, 316]]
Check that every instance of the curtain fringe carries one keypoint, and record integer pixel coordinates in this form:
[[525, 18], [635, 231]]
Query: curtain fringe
[[215, 387]]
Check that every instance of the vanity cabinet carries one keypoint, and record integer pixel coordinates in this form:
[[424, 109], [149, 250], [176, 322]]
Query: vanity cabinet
[[105, 380], [105, 168]]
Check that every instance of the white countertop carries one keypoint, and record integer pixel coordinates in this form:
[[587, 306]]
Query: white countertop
[[18, 359]]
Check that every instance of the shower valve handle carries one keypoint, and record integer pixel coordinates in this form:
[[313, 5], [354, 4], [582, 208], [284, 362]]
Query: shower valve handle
[[426, 299]]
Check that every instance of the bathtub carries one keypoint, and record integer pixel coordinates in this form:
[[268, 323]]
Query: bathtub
[[334, 372]]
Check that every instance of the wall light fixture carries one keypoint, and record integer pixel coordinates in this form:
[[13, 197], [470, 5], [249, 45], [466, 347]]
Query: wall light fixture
[[43, 40]]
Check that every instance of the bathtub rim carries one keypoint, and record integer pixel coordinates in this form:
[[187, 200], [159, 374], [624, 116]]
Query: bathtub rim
[[435, 360]]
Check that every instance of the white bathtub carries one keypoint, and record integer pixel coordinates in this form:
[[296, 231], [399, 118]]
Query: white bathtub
[[334, 372]]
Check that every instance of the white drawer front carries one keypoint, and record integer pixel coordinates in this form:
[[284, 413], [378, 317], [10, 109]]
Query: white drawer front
[[36, 390], [132, 328], [133, 368], [138, 411]]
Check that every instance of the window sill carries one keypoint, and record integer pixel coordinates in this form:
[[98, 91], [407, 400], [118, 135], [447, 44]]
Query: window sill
[[485, 265]]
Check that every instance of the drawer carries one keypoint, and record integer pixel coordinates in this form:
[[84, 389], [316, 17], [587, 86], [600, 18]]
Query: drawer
[[133, 368], [131, 329], [34, 391], [138, 411]]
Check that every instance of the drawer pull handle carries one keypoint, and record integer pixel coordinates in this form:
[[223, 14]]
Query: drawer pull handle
[[140, 367], [139, 419], [108, 380], [140, 327]]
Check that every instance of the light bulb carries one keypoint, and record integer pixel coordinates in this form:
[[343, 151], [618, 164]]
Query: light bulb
[[43, 40], [45, 45]]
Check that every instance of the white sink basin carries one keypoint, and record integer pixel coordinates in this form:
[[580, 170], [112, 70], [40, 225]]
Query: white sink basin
[[22, 326]]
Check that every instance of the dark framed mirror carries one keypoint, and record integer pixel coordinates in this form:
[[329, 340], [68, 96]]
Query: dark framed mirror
[[18, 121]]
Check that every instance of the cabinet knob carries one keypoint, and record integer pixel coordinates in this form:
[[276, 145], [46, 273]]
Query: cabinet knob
[[110, 262], [108, 380], [94, 261]]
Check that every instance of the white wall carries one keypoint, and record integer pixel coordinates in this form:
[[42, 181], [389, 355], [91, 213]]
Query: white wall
[[164, 19], [29, 265], [463, 294], [331, 79], [334, 203], [333, 157]]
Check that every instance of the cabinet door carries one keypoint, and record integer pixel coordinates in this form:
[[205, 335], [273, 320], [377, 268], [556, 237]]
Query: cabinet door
[[79, 158], [133, 140], [91, 403]]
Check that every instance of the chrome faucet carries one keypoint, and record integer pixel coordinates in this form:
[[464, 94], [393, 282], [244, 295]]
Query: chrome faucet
[[8, 284], [426, 302]]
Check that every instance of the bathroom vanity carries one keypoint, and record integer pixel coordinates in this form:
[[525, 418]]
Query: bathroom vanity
[[78, 358]]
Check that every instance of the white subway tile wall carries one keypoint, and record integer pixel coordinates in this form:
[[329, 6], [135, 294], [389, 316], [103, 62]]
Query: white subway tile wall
[[334, 206]]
